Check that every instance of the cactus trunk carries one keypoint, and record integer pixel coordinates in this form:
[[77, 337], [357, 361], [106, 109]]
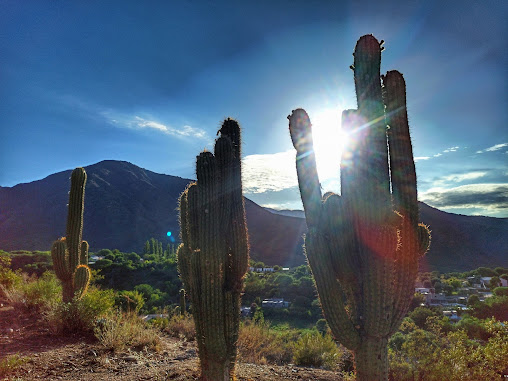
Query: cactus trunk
[[363, 246], [70, 253], [371, 360], [213, 256]]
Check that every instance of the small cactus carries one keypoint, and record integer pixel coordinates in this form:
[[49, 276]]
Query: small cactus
[[70, 253], [183, 306], [214, 253], [363, 247]]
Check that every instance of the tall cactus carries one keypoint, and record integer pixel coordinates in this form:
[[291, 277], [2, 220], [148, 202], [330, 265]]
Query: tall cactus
[[70, 253], [214, 253], [364, 246]]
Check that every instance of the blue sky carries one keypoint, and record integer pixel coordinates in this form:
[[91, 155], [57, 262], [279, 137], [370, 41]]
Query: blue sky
[[150, 83]]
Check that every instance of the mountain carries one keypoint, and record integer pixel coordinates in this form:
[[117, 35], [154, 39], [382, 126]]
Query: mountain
[[459, 242], [125, 205]]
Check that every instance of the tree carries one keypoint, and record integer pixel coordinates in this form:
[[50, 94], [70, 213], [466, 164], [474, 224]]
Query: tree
[[473, 299], [501, 291], [494, 282], [420, 315]]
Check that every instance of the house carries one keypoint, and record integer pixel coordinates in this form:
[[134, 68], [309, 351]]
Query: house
[[93, 259], [274, 303], [427, 292], [262, 269], [452, 315]]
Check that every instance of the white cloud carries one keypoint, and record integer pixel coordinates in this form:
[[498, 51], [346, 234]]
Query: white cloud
[[457, 178], [448, 150], [451, 149], [270, 172], [493, 148], [489, 197], [138, 123]]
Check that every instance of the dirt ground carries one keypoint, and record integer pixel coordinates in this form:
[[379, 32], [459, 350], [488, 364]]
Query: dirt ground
[[52, 357]]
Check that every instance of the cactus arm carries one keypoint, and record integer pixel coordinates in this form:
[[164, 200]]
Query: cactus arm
[[84, 253], [403, 174], [60, 256], [81, 280], [374, 158], [308, 180], [330, 290]]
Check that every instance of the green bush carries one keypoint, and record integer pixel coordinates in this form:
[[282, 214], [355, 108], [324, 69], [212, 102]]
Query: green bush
[[420, 315], [313, 349], [39, 294], [82, 315], [500, 291], [129, 301]]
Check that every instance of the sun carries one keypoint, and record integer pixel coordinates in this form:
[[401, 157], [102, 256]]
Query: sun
[[329, 141]]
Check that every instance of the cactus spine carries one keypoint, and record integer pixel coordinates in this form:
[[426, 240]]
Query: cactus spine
[[70, 253], [214, 253], [364, 246]]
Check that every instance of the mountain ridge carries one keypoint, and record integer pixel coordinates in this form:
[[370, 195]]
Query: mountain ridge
[[125, 205]]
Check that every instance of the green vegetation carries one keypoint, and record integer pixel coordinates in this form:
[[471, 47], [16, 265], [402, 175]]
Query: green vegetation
[[10, 363], [425, 342], [364, 256], [213, 257]]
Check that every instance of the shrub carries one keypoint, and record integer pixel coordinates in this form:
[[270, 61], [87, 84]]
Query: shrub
[[81, 315], [39, 294], [130, 301], [258, 344], [119, 331], [178, 326], [500, 291], [313, 349]]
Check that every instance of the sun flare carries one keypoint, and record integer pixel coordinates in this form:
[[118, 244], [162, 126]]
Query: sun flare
[[329, 141]]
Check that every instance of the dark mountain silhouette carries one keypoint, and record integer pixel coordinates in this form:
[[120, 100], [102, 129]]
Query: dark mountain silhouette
[[125, 205]]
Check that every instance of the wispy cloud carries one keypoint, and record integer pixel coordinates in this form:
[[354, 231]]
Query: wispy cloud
[[459, 177], [490, 197], [448, 150], [270, 172], [138, 123], [451, 149], [496, 147]]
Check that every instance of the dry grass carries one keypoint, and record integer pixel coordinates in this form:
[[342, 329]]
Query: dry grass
[[181, 327], [259, 345], [126, 330]]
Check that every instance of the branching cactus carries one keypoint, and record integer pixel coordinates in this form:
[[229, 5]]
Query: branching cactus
[[364, 246], [70, 253], [213, 256]]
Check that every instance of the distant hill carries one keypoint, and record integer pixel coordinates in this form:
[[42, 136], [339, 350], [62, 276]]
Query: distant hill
[[125, 205]]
